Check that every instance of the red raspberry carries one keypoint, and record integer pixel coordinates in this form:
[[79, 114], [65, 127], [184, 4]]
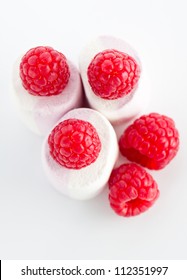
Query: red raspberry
[[44, 71], [132, 190], [74, 143], [113, 74], [152, 141]]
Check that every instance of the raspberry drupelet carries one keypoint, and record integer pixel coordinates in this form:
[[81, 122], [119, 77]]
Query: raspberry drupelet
[[44, 71], [152, 141], [132, 190], [74, 143], [113, 74]]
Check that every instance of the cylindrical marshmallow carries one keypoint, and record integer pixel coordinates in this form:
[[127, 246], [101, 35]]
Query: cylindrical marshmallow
[[40, 113], [124, 108], [89, 181]]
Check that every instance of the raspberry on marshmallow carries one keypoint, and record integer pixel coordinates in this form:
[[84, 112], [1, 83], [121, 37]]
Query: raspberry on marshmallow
[[44, 71], [113, 74], [79, 153], [45, 86], [74, 143], [114, 80]]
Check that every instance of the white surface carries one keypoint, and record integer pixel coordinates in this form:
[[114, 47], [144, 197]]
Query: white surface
[[124, 108], [37, 222], [87, 182]]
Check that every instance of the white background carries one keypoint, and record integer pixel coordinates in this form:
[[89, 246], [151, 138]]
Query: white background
[[36, 222]]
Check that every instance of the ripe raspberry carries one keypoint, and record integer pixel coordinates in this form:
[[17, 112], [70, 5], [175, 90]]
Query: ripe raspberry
[[74, 143], [113, 74], [131, 190], [152, 141], [44, 71]]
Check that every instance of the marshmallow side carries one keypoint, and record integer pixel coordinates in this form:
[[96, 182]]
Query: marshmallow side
[[40, 113], [87, 182], [124, 108]]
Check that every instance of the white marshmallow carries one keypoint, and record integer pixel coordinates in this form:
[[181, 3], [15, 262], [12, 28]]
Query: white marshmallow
[[122, 109], [40, 113], [87, 182]]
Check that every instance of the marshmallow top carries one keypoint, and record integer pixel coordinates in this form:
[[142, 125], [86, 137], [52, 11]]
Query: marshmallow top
[[124, 107], [86, 182], [40, 113]]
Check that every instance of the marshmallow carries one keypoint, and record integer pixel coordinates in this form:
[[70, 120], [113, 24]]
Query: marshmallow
[[124, 108], [87, 182], [40, 113]]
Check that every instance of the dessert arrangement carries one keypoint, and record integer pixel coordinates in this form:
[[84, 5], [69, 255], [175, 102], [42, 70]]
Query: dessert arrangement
[[81, 153]]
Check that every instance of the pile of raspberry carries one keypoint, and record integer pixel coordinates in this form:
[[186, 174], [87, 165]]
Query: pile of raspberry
[[151, 141]]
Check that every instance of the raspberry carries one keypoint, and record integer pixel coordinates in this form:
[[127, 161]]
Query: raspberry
[[113, 74], [152, 141], [131, 190], [74, 143], [44, 71]]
